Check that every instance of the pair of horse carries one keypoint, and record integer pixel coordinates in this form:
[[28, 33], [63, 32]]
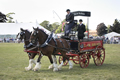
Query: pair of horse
[[38, 40]]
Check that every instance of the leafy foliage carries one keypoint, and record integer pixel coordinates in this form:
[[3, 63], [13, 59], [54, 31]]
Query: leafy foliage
[[46, 24], [115, 27], [55, 26], [59, 29], [9, 17], [50, 27], [101, 29]]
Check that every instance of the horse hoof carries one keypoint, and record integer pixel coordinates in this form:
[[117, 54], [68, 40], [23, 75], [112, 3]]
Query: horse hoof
[[55, 69], [35, 69], [59, 67], [70, 67], [27, 68], [50, 67]]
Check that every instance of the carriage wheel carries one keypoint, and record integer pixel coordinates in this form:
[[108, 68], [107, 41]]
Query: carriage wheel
[[76, 59], [61, 59], [99, 57], [84, 61]]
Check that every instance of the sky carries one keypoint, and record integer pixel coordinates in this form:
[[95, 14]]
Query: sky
[[102, 11]]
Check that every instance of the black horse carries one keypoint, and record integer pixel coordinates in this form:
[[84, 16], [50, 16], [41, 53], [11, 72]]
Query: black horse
[[50, 47]]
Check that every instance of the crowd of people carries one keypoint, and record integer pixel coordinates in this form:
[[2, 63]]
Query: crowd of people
[[8, 40], [112, 40]]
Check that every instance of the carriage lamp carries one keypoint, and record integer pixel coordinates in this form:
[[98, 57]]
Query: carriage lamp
[[81, 46]]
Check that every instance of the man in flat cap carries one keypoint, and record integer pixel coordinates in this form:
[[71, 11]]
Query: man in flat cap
[[69, 22], [81, 29]]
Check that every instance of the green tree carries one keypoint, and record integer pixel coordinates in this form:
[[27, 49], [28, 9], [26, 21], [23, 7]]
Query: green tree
[[101, 29], [55, 26], [59, 29], [109, 29], [115, 27], [9, 17], [47, 25]]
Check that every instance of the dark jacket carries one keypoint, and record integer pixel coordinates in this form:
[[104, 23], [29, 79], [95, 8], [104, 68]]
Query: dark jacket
[[81, 29], [70, 18]]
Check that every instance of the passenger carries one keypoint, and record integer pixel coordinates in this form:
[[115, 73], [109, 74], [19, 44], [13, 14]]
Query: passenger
[[69, 22], [81, 29]]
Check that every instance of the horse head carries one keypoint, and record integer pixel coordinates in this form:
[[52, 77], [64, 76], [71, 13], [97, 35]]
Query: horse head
[[24, 34], [38, 35]]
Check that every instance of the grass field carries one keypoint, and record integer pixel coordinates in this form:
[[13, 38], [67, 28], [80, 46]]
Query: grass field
[[13, 61]]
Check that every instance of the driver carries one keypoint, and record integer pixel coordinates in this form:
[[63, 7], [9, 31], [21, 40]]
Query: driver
[[69, 22]]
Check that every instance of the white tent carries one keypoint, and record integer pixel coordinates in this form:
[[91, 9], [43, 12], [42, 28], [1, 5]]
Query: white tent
[[14, 28], [112, 34]]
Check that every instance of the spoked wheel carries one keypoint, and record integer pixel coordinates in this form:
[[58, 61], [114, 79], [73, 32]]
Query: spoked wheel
[[99, 57], [61, 59], [76, 59], [84, 61]]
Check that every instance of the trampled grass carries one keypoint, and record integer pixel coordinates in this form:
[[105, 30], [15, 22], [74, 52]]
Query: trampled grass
[[13, 61]]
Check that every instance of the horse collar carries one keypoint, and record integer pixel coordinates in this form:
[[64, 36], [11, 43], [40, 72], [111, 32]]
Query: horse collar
[[47, 40]]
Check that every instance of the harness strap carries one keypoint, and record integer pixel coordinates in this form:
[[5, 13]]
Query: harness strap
[[27, 46], [62, 43], [68, 42], [55, 46], [47, 41]]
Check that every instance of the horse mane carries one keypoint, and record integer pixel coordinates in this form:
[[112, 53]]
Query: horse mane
[[43, 31], [27, 30]]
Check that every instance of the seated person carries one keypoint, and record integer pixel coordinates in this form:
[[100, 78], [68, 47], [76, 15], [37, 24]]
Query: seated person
[[81, 29]]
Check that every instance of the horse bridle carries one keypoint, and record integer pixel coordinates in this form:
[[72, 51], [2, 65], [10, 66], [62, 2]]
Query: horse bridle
[[22, 34], [35, 34]]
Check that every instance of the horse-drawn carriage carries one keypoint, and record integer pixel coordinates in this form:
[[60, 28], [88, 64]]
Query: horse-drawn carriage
[[82, 51], [87, 49], [78, 51]]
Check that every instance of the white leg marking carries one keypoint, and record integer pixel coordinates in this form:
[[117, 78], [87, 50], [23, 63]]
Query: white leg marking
[[30, 65], [55, 67], [54, 63], [70, 64], [37, 66], [34, 61], [51, 66], [60, 66]]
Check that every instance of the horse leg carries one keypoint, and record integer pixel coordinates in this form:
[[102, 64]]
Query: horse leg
[[32, 57], [55, 63], [51, 61], [38, 66], [70, 64], [65, 58], [60, 66], [31, 61]]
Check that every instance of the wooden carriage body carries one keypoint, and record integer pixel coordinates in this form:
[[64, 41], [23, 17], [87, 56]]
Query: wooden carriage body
[[81, 52], [86, 44]]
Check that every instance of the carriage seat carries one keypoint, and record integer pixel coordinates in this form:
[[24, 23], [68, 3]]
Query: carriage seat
[[88, 39], [75, 24], [71, 33]]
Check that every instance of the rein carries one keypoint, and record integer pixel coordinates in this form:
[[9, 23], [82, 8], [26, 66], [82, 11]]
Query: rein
[[46, 43], [26, 40], [64, 49]]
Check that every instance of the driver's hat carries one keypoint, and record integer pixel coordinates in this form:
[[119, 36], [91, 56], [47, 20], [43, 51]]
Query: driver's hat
[[80, 20], [67, 10]]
